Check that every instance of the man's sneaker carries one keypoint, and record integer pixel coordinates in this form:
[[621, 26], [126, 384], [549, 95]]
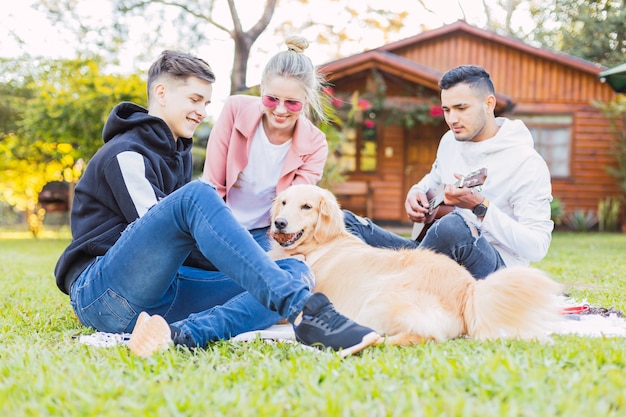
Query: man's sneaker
[[323, 327], [152, 333]]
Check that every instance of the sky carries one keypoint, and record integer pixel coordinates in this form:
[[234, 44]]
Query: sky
[[39, 37]]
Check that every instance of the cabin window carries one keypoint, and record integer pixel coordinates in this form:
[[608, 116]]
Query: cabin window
[[553, 138], [359, 150]]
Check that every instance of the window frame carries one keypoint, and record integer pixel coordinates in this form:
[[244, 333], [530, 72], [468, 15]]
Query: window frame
[[538, 124]]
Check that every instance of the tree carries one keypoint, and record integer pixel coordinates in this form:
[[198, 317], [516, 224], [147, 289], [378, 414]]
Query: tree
[[60, 107], [24, 170], [189, 17], [200, 10], [14, 93], [615, 111], [594, 30], [179, 23], [72, 99]]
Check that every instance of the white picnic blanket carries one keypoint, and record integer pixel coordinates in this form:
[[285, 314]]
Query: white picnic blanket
[[277, 332], [588, 325], [593, 325]]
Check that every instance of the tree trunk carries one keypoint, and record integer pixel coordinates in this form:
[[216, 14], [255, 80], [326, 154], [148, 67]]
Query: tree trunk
[[243, 43], [240, 63]]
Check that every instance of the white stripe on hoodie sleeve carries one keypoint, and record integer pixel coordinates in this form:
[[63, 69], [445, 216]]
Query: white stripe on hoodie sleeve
[[134, 174]]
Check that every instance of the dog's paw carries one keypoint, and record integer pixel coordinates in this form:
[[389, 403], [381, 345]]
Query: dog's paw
[[276, 254]]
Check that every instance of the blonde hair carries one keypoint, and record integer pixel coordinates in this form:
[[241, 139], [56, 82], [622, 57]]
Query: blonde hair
[[292, 63]]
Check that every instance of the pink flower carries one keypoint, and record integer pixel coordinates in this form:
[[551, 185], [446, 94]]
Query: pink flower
[[436, 111], [364, 104], [368, 123], [336, 102], [329, 91]]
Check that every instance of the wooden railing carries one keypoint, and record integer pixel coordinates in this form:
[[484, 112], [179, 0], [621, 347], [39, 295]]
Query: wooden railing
[[355, 196]]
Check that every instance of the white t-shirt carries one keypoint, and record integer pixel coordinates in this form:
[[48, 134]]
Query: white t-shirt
[[251, 196]]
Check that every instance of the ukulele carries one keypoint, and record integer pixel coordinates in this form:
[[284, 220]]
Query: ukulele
[[436, 208]]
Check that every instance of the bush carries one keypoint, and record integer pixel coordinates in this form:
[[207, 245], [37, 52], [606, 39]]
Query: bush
[[581, 220], [608, 214], [557, 211]]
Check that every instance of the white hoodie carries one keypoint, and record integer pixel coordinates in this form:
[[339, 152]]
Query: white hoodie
[[518, 187]]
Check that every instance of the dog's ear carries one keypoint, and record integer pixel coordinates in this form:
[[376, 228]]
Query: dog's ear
[[330, 222]]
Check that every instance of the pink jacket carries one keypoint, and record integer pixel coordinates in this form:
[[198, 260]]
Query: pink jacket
[[229, 146]]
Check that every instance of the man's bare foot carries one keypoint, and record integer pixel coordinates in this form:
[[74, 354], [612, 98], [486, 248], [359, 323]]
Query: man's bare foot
[[151, 333]]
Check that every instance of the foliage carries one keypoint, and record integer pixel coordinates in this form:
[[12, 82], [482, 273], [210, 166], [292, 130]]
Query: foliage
[[615, 111], [60, 107], [25, 170], [608, 214], [46, 371], [332, 127], [35, 221], [180, 23], [592, 30], [365, 107], [560, 25], [332, 169], [14, 93], [9, 215], [581, 220], [557, 211], [414, 114], [72, 100]]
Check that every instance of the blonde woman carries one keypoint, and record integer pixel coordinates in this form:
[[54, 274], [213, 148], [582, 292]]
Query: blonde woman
[[261, 145]]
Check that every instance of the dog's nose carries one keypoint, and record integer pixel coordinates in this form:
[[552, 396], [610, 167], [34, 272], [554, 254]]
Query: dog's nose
[[280, 223]]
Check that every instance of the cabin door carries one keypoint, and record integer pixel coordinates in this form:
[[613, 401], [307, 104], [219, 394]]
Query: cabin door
[[421, 144]]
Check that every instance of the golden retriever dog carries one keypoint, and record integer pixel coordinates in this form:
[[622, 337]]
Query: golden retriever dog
[[410, 295]]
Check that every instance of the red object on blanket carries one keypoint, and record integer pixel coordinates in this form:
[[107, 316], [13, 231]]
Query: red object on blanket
[[575, 309]]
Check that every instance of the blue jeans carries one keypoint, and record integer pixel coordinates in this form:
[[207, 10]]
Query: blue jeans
[[143, 272], [449, 235]]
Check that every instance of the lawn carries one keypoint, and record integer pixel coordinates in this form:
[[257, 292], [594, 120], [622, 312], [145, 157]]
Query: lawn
[[44, 371]]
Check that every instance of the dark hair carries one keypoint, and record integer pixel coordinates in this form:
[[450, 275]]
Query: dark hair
[[474, 76], [179, 66]]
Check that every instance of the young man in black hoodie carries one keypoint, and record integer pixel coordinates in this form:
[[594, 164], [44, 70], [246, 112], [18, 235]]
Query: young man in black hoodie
[[137, 217]]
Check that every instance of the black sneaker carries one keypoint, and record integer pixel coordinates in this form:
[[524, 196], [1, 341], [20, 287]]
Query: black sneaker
[[182, 339], [323, 327]]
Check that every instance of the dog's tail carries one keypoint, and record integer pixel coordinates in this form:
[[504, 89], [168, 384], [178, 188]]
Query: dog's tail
[[516, 302]]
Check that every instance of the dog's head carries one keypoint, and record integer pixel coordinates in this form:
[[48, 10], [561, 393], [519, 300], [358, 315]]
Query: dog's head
[[305, 216]]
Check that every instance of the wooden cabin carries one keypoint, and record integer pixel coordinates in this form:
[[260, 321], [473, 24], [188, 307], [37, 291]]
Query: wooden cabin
[[392, 142]]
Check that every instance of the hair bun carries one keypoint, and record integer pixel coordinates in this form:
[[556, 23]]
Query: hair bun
[[297, 43]]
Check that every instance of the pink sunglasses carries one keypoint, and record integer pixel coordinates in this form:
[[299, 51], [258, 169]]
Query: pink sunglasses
[[289, 103]]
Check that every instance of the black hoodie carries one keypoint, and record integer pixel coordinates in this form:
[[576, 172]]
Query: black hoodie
[[139, 164]]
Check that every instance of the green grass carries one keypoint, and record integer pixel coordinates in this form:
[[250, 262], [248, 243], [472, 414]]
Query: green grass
[[44, 371]]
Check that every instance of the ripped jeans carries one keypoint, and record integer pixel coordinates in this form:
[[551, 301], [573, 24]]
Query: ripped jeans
[[449, 235]]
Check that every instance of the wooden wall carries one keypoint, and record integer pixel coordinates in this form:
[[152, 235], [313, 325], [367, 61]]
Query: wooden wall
[[515, 73], [590, 155]]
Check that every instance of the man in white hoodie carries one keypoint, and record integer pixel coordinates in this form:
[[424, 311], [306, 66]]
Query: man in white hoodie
[[504, 222]]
